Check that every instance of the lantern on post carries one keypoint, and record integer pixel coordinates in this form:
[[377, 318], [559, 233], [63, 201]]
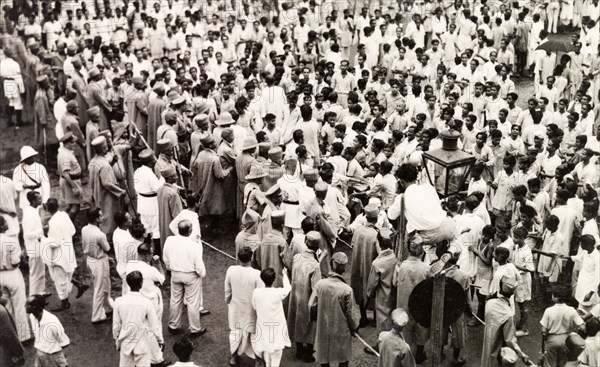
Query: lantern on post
[[447, 168]]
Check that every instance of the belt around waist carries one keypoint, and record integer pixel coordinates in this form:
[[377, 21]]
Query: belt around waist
[[76, 177], [151, 195], [186, 272], [95, 258], [291, 202]]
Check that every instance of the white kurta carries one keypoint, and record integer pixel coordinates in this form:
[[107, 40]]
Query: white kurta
[[466, 260], [135, 309], [589, 276], [58, 253], [60, 240], [240, 283], [271, 327], [151, 291]]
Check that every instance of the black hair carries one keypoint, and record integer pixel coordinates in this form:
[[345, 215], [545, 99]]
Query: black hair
[[268, 276]]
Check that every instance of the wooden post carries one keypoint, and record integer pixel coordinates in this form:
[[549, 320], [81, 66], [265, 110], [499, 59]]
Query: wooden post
[[437, 320], [401, 235]]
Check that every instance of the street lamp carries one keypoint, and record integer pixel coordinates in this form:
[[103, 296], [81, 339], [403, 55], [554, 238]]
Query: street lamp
[[447, 168]]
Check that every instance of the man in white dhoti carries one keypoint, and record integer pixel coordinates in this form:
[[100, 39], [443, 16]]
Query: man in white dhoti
[[135, 325], [146, 187], [59, 255], [33, 231], [154, 275], [240, 282]]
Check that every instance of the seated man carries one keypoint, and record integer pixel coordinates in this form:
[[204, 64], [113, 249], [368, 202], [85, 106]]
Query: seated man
[[422, 208]]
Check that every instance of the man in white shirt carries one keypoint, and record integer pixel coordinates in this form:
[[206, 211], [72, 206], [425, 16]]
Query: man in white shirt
[[589, 276], [50, 336], [124, 244], [423, 210], [273, 100], [153, 274], [467, 260], [146, 185], [33, 232], [139, 64], [291, 184], [568, 219], [95, 247], [52, 29], [190, 214], [30, 175], [183, 257], [135, 325], [549, 91], [343, 83]]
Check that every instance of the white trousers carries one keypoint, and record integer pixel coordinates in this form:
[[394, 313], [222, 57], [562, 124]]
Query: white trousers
[[13, 289], [552, 12], [102, 302], [37, 275], [62, 281], [188, 285]]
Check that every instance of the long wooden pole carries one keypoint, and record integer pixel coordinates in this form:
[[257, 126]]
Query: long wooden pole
[[437, 319], [366, 344], [219, 251]]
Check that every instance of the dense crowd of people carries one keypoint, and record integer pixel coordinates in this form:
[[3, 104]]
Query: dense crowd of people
[[303, 125]]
